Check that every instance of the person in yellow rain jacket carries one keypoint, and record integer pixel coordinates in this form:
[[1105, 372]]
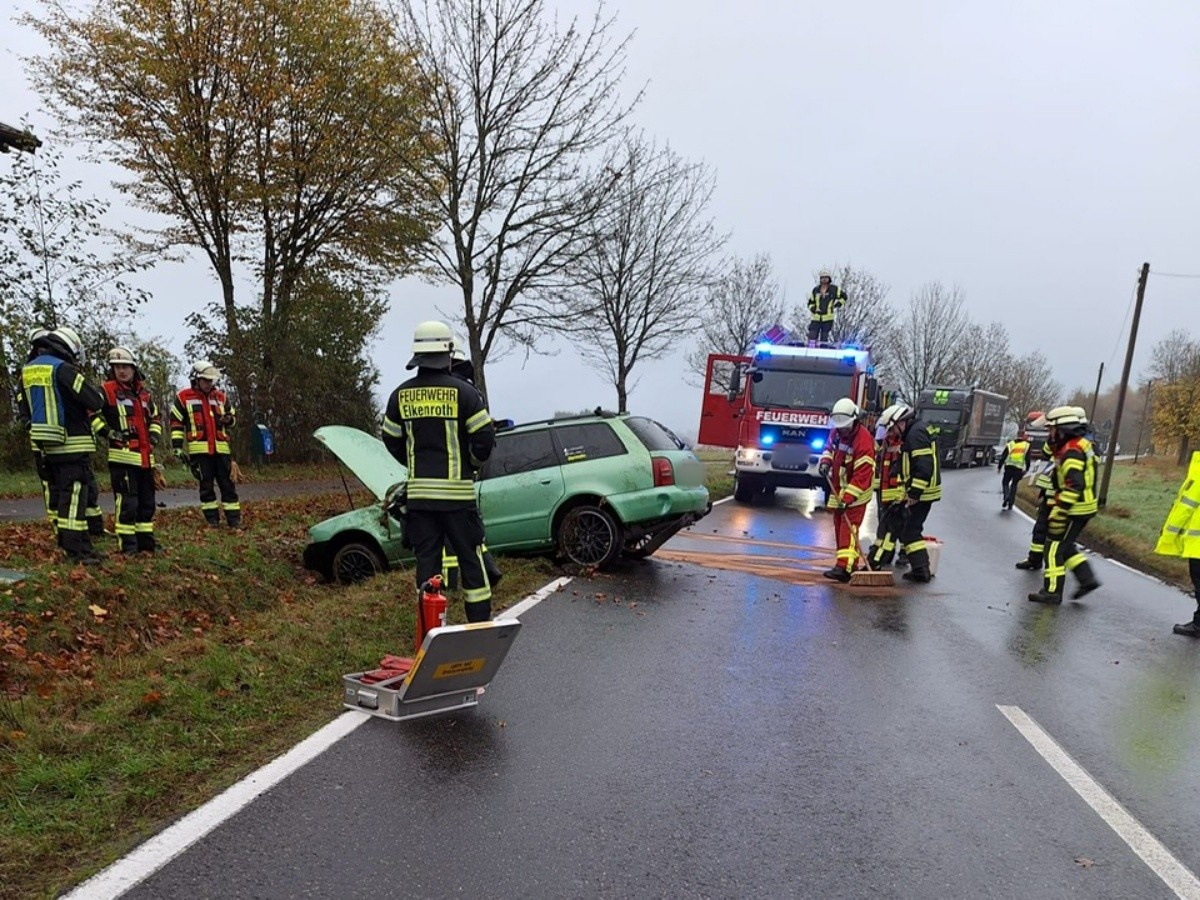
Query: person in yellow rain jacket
[[1181, 537], [200, 416]]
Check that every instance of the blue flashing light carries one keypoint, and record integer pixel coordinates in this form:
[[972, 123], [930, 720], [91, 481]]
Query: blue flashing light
[[817, 443], [767, 440], [763, 348]]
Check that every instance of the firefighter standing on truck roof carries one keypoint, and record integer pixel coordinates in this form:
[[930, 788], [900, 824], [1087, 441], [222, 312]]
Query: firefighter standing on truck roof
[[61, 403], [1013, 462], [1072, 504], [200, 416], [134, 430], [439, 427], [920, 477], [890, 497], [823, 303], [848, 463]]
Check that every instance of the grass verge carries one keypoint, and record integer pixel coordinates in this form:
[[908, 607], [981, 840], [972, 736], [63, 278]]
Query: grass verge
[[134, 691]]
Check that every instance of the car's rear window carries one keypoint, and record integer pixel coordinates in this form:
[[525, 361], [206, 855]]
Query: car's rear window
[[653, 435], [589, 440]]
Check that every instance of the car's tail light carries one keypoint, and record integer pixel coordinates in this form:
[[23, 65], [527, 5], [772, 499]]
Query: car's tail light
[[664, 473]]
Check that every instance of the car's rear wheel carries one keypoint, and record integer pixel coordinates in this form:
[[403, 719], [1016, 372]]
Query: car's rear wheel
[[356, 561], [589, 536]]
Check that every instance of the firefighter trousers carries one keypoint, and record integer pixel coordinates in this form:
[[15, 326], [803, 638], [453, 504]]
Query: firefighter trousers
[[133, 487], [216, 467], [432, 531], [1063, 556], [1037, 540], [891, 522], [912, 539], [845, 529], [70, 479], [819, 331], [1012, 477]]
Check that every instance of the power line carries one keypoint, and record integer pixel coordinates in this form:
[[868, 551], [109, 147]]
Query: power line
[[1120, 334], [1171, 274]]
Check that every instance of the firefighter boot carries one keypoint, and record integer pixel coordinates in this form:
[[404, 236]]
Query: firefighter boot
[[145, 542], [918, 574], [129, 544], [233, 518], [1044, 596], [1032, 564], [1192, 628], [836, 574], [1087, 580], [212, 518]]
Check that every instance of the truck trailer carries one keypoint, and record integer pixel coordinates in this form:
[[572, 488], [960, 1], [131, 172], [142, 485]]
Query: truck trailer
[[966, 422]]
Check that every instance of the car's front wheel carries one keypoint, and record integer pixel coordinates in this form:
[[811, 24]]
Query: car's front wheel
[[356, 561], [589, 536]]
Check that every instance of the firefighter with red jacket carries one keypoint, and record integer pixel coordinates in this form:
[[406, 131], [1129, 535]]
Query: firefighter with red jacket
[[200, 417], [890, 497], [134, 429], [438, 426], [1072, 503], [848, 463]]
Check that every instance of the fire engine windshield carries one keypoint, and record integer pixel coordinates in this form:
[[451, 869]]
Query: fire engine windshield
[[798, 390]]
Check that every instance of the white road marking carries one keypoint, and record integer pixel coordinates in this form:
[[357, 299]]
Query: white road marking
[[151, 856], [1178, 877], [155, 853], [722, 500]]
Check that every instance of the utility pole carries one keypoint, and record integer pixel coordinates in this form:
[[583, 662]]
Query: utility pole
[[1112, 441], [1096, 394], [1142, 423]]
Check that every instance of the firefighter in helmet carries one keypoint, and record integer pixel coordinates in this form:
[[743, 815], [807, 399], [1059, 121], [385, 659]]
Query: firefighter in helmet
[[134, 429], [61, 404], [890, 496], [200, 420], [920, 478], [1181, 537], [1072, 503], [823, 303], [438, 426], [1043, 481], [848, 464]]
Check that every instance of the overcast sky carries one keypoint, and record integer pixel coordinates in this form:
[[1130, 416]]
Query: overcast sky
[[1034, 153]]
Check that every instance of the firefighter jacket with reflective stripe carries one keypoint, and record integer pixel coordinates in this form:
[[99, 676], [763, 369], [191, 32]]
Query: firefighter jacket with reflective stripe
[[1015, 455], [439, 427], [1044, 480], [1181, 532], [132, 411], [60, 404], [887, 472], [852, 462], [920, 468], [196, 418], [822, 306], [1074, 491]]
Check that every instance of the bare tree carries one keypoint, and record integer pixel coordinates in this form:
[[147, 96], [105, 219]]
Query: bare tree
[[1030, 386], [1175, 357], [741, 303], [519, 109], [638, 284], [983, 358], [867, 317], [925, 346]]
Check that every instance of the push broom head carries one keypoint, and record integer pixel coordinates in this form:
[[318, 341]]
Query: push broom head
[[868, 578]]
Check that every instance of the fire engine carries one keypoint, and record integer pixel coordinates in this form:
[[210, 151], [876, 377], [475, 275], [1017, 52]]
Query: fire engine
[[773, 407]]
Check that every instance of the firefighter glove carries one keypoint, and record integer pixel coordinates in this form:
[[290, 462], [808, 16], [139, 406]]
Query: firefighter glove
[[824, 469], [116, 437]]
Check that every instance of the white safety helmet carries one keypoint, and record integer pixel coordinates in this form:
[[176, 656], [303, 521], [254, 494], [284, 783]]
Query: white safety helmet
[[37, 334], [70, 338], [1082, 413], [121, 356], [895, 414], [844, 414], [824, 273], [459, 354], [204, 368], [433, 342], [1065, 415]]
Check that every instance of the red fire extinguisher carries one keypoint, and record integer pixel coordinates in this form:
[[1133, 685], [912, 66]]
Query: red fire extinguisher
[[431, 611]]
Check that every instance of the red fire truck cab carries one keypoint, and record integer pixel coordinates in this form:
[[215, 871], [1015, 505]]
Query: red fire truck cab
[[773, 407]]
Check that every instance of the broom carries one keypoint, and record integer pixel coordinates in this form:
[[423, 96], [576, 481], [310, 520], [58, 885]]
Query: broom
[[864, 577]]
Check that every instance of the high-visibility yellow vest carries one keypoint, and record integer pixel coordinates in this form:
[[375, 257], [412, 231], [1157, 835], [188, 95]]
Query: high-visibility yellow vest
[[1181, 532], [1017, 451]]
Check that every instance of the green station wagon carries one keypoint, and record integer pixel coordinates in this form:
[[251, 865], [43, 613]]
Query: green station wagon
[[590, 488]]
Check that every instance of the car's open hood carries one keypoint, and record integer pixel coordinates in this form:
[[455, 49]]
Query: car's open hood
[[363, 455]]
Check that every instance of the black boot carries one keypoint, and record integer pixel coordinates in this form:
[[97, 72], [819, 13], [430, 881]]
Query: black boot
[[1031, 564], [145, 542], [233, 519], [1192, 628], [836, 574], [480, 611], [1087, 580], [1044, 596], [212, 518], [129, 544], [918, 574]]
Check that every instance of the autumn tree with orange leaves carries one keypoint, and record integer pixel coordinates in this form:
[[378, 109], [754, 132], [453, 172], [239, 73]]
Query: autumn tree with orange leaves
[[274, 136]]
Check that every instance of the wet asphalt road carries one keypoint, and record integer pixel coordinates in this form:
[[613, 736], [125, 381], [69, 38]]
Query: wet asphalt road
[[720, 722]]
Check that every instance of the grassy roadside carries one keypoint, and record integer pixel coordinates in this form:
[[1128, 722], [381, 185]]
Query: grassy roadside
[[25, 483], [1139, 497], [718, 463], [135, 691]]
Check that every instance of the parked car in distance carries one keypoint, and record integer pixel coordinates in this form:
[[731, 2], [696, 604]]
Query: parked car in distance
[[589, 488]]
